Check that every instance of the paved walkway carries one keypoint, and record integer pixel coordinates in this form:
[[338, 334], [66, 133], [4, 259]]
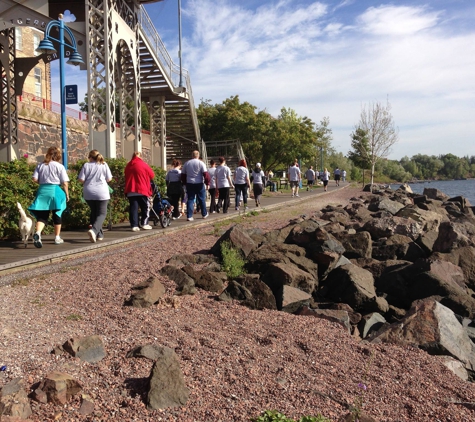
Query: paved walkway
[[15, 257]]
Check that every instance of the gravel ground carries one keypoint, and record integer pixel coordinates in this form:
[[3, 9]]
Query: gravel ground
[[236, 362]]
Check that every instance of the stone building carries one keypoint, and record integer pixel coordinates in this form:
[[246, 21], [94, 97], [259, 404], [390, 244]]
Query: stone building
[[38, 81]]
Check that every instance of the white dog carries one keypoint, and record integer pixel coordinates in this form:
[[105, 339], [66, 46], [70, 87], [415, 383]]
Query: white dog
[[25, 224]]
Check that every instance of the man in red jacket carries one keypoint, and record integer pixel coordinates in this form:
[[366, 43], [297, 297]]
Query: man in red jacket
[[138, 189], [195, 174]]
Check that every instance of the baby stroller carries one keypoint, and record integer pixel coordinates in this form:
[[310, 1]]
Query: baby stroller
[[161, 208]]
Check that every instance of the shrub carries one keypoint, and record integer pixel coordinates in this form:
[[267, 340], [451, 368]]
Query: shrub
[[233, 263], [275, 416], [16, 185]]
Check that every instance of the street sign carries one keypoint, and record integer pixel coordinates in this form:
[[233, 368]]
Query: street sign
[[71, 94]]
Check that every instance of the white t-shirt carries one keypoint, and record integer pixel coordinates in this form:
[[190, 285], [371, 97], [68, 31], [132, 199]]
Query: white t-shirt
[[95, 178], [294, 174], [52, 173], [212, 183], [221, 176], [194, 170], [241, 175], [257, 177], [310, 174], [325, 175]]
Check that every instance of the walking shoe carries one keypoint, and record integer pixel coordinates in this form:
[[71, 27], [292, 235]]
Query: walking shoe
[[206, 216], [297, 195], [237, 208], [147, 227], [135, 229], [58, 241], [37, 240], [190, 219], [92, 236], [293, 195], [100, 238]]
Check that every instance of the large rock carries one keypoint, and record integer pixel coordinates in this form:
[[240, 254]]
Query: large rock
[[14, 400], [303, 233], [59, 387], [340, 317], [385, 204], [465, 259], [206, 280], [185, 285], [152, 352], [238, 238], [389, 226], [452, 236], [429, 220], [352, 285], [89, 349], [433, 193], [189, 259], [146, 293], [292, 295], [358, 245], [397, 247], [166, 383], [434, 328], [252, 292], [370, 323]]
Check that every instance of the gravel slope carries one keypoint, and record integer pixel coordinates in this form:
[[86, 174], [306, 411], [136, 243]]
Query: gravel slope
[[236, 362]]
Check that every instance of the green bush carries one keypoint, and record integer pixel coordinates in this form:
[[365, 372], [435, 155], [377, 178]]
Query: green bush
[[16, 185], [275, 416], [232, 261]]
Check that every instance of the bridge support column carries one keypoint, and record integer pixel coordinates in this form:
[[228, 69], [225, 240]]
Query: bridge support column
[[158, 134], [8, 99]]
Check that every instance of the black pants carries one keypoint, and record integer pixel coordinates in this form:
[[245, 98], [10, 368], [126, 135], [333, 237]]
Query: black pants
[[212, 205], [241, 189], [223, 201], [43, 216], [174, 199], [98, 215]]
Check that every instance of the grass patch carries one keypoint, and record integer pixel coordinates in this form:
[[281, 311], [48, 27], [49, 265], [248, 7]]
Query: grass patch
[[275, 416], [22, 282], [74, 317], [233, 262]]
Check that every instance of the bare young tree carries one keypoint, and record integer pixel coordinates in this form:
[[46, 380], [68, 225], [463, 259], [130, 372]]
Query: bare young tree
[[376, 122]]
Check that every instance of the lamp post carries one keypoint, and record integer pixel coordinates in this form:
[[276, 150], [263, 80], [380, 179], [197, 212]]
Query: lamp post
[[179, 43], [46, 46]]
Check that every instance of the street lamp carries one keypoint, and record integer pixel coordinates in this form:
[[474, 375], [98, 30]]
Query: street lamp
[[179, 43], [46, 46]]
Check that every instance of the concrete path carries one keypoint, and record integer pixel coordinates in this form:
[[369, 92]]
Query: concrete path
[[15, 257]]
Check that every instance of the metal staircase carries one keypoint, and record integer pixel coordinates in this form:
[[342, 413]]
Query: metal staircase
[[160, 77]]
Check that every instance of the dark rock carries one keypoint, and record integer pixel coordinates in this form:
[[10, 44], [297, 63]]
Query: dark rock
[[386, 227], [303, 233], [188, 259], [209, 281], [238, 238], [355, 317], [385, 204], [152, 352], [429, 220], [14, 400], [167, 386], [145, 294], [356, 245], [465, 259], [433, 193], [427, 240], [352, 285], [259, 260], [89, 349], [451, 236], [185, 284], [261, 294], [234, 291], [398, 247], [433, 328]]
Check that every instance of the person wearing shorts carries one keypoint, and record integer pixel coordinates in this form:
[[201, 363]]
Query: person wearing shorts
[[310, 176], [294, 178], [337, 175], [325, 175]]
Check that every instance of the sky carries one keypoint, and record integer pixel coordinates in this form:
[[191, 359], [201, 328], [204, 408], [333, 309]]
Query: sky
[[332, 58]]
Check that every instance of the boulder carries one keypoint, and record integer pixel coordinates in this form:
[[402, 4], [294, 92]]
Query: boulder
[[429, 220], [389, 226], [352, 285], [465, 259], [340, 317], [59, 387], [145, 294], [303, 233], [152, 352], [433, 328], [89, 349], [238, 238], [234, 291], [293, 294], [355, 317], [14, 400], [397, 247], [279, 274], [356, 245], [433, 193], [406, 188], [370, 323], [167, 386], [451, 236], [184, 283], [189, 259], [455, 366], [261, 294], [385, 204], [427, 240], [359, 212], [207, 280]]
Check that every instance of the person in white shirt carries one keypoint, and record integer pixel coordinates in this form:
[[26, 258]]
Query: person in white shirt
[[212, 186], [310, 176], [325, 175], [95, 175], [257, 178], [224, 182], [50, 175], [241, 183], [196, 176], [343, 175], [294, 178]]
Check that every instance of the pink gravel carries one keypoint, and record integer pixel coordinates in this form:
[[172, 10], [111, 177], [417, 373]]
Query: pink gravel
[[236, 362]]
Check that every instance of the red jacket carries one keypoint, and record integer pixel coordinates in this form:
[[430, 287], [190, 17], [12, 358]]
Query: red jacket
[[138, 175]]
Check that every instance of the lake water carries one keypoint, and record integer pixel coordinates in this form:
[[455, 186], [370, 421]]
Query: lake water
[[452, 188]]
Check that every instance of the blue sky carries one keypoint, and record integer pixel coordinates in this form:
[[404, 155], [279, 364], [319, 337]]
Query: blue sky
[[328, 58]]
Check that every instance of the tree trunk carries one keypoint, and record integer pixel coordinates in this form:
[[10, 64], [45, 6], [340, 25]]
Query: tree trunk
[[372, 176]]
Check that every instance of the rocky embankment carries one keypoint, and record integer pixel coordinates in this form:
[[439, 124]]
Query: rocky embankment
[[378, 291]]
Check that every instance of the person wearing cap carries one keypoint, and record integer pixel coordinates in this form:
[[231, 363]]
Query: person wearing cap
[[257, 178]]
